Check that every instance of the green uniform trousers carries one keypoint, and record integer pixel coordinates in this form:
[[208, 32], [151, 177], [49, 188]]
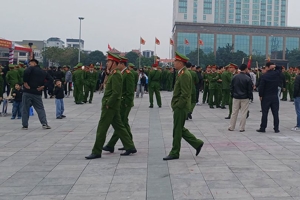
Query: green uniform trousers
[[193, 102], [291, 91], [78, 93], [225, 97], [124, 112], [89, 90], [154, 87], [179, 117], [284, 94], [205, 94], [213, 97], [111, 117]]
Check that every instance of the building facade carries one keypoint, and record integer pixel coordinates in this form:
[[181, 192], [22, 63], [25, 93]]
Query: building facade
[[74, 43], [148, 53], [271, 42], [247, 12], [37, 47], [55, 42]]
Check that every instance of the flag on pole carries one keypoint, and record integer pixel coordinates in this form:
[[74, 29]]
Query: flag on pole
[[201, 43], [249, 62], [142, 41], [109, 47], [157, 41], [171, 42], [186, 42]]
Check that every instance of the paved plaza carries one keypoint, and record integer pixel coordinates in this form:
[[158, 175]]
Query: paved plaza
[[42, 164]]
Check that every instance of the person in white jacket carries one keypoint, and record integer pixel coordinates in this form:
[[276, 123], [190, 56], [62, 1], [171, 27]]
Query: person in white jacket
[[141, 84]]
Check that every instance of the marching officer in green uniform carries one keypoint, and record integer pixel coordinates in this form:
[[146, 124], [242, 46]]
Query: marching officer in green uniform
[[219, 86], [206, 75], [154, 80], [195, 80], [170, 77], [110, 114], [287, 77], [226, 80], [127, 103], [78, 79], [91, 77], [135, 74], [213, 87], [181, 103], [12, 76], [291, 85], [21, 71]]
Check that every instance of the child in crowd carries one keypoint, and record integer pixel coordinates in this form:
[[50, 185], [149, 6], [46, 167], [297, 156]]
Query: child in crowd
[[17, 103], [59, 99]]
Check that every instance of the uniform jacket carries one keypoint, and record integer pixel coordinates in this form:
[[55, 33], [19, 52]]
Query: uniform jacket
[[182, 90], [128, 88]]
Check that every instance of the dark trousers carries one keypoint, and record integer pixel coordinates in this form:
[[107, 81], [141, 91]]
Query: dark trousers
[[197, 93], [37, 103], [17, 109], [267, 103]]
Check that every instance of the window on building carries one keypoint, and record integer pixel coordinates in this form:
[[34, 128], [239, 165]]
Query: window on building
[[231, 21], [22, 54], [269, 12], [255, 6], [231, 16], [209, 43], [259, 44], [291, 44], [269, 23], [283, 2], [255, 22], [185, 16], [255, 17], [182, 47], [246, 11], [245, 6], [223, 40], [276, 47], [269, 7], [245, 22], [255, 12], [204, 17], [270, 1], [242, 43], [182, 6]]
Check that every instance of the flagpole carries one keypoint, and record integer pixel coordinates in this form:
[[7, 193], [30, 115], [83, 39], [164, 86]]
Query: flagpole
[[140, 53], [184, 49], [198, 52]]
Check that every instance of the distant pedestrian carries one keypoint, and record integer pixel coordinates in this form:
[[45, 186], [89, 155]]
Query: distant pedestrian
[[68, 81], [241, 89], [268, 93], [141, 84], [59, 99], [17, 103], [297, 99], [34, 80]]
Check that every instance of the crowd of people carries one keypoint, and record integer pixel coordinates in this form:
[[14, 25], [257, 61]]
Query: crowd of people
[[230, 85]]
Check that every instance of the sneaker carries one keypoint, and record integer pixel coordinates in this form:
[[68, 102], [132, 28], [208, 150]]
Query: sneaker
[[56, 118], [25, 128], [199, 104], [46, 126], [295, 128], [63, 116]]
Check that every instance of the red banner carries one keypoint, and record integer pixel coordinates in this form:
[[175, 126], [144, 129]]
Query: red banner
[[5, 43]]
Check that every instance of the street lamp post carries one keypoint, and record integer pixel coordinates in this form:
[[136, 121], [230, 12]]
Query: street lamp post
[[80, 19]]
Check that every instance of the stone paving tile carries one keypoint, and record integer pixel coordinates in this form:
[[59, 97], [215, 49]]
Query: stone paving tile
[[42, 164]]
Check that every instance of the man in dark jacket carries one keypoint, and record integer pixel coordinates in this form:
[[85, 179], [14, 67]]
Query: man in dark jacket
[[241, 89], [297, 99], [34, 80], [199, 85], [268, 94]]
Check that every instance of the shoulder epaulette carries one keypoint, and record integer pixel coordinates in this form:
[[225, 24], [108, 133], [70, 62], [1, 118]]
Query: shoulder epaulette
[[114, 71], [127, 71], [182, 72]]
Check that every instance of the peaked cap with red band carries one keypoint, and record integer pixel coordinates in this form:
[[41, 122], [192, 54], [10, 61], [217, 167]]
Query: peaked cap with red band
[[233, 65], [112, 57], [123, 59], [181, 57]]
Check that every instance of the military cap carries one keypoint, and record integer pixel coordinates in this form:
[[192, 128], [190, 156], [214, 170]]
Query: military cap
[[75, 67], [181, 57], [198, 67], [11, 66], [79, 65], [131, 65], [123, 59], [113, 57], [214, 66], [208, 66], [233, 65]]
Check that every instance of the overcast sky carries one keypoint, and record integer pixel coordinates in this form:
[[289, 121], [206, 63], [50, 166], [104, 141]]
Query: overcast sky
[[117, 22]]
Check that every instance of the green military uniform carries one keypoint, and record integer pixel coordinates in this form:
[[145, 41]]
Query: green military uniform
[[154, 85], [21, 72], [291, 85], [12, 76], [287, 80], [205, 97], [181, 103], [226, 80], [195, 81], [164, 77], [110, 114], [126, 104], [230, 95], [219, 88], [213, 89], [78, 79], [135, 74], [90, 79], [169, 81]]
